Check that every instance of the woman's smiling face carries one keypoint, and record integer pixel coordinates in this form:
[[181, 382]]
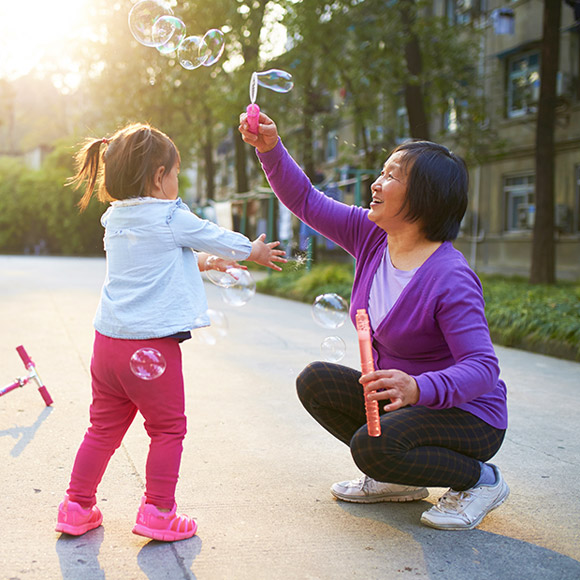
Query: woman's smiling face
[[389, 192]]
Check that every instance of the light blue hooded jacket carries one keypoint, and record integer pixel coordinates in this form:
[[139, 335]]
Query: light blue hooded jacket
[[153, 287]]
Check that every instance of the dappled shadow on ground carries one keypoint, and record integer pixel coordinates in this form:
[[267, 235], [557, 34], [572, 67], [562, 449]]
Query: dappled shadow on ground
[[169, 560], [469, 553], [25, 434], [79, 555]]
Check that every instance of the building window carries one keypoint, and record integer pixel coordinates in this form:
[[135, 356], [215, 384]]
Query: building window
[[456, 113], [403, 131], [519, 202], [460, 11], [332, 146], [523, 84]]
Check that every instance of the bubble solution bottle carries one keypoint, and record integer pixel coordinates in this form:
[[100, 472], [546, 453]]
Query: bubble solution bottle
[[363, 329]]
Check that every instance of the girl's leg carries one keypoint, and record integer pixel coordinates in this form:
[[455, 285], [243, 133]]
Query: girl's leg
[[111, 414], [425, 447], [332, 394], [161, 401]]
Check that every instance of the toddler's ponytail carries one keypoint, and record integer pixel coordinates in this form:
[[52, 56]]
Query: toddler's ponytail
[[89, 163]]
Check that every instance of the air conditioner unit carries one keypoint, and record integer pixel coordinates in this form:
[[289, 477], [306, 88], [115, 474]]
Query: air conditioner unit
[[563, 84], [563, 218], [526, 212]]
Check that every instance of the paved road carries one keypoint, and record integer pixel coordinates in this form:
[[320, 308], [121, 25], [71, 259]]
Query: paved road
[[256, 468]]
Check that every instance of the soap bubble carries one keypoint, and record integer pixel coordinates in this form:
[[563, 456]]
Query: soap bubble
[[333, 348], [224, 279], [143, 17], [330, 310], [215, 42], [241, 291], [192, 52], [168, 32], [147, 364], [276, 80], [217, 329]]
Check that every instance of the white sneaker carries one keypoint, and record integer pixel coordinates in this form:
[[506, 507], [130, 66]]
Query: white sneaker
[[464, 510], [367, 490]]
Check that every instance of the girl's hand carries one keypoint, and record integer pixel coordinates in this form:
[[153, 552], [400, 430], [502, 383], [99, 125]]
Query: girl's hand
[[399, 387], [209, 262], [267, 136], [265, 254]]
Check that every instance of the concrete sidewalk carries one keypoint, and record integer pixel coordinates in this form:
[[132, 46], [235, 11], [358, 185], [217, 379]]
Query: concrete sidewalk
[[256, 468]]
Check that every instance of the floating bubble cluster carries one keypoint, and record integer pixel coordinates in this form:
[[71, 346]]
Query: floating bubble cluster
[[147, 364], [153, 24]]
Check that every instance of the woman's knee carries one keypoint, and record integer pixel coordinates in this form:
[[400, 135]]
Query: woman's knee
[[307, 380]]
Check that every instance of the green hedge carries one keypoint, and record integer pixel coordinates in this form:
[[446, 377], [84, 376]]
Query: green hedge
[[544, 319]]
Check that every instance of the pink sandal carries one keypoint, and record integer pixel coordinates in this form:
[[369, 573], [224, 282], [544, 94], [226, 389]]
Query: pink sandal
[[76, 520], [163, 526]]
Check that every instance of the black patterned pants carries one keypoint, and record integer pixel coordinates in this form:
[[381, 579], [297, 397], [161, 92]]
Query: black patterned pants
[[417, 446]]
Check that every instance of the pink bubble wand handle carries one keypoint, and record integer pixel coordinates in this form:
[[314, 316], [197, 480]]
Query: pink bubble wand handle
[[363, 329], [253, 118]]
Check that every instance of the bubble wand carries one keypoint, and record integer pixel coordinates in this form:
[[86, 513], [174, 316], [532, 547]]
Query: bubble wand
[[253, 110], [32, 376], [363, 329], [274, 79]]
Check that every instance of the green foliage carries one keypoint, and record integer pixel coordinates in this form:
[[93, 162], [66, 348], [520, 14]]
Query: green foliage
[[39, 214], [297, 283], [538, 318]]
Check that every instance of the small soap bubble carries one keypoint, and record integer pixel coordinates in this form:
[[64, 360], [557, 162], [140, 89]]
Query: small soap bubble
[[217, 329], [276, 80], [147, 364], [241, 291], [214, 40], [333, 348], [330, 310], [142, 18], [192, 52], [168, 32]]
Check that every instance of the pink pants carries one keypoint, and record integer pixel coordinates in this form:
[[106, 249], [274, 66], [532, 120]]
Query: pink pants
[[117, 396]]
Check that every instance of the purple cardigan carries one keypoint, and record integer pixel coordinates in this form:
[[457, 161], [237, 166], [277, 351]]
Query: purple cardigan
[[436, 331]]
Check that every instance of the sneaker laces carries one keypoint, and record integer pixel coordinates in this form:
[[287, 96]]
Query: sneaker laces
[[453, 501]]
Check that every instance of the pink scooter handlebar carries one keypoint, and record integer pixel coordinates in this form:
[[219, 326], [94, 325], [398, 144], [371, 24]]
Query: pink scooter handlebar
[[29, 364]]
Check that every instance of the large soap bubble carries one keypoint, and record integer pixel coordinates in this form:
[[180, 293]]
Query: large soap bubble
[[330, 310], [217, 329], [214, 41], [241, 291], [147, 363], [169, 32], [333, 348], [276, 80], [142, 19], [192, 52]]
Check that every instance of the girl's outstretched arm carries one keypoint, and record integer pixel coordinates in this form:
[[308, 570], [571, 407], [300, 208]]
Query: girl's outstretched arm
[[265, 253], [267, 136], [207, 261]]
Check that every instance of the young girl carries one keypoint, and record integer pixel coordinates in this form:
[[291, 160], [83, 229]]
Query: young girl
[[152, 297]]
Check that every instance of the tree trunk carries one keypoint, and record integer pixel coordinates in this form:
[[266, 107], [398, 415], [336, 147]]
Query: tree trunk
[[209, 162], [543, 245], [414, 98], [309, 163], [241, 160]]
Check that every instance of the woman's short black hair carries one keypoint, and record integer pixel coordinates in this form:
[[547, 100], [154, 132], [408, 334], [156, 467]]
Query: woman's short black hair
[[437, 185]]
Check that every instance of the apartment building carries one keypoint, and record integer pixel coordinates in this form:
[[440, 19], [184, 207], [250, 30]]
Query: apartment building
[[502, 189], [497, 232]]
